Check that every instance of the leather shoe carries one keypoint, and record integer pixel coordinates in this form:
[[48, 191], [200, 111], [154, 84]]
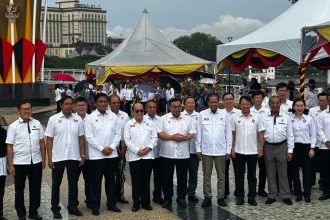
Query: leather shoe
[[57, 215], [95, 212], [147, 207], [182, 203], [35, 217], [298, 198], [252, 202], [239, 201], [287, 201], [206, 202], [114, 208], [123, 200], [262, 193], [324, 197], [75, 211], [308, 199], [158, 200], [3, 218], [222, 202], [135, 208], [270, 201], [193, 199], [167, 203]]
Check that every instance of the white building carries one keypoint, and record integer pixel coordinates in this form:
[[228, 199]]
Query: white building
[[262, 75], [70, 23]]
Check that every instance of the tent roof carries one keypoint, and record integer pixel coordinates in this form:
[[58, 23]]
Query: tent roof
[[147, 46], [282, 35]]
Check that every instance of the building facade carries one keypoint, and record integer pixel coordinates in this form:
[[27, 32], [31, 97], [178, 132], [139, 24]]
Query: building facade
[[262, 75], [70, 23]]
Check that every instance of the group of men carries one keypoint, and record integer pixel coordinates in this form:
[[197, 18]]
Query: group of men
[[96, 144]]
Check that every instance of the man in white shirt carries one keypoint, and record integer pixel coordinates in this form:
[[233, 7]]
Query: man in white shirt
[[265, 102], [176, 130], [169, 93], [66, 149], [114, 103], [228, 101], [189, 110], [103, 133], [260, 110], [310, 94], [58, 95], [213, 145], [278, 150], [141, 138], [324, 150], [286, 104], [128, 98], [151, 109], [246, 149], [26, 154]]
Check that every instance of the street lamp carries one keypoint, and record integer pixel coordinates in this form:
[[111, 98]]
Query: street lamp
[[229, 40]]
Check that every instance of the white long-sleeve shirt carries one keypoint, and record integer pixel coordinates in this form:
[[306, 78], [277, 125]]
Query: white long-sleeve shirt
[[194, 120], [324, 128], [214, 134], [155, 120], [304, 130], [315, 113]]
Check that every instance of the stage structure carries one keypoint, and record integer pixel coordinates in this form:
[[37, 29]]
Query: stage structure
[[21, 53]]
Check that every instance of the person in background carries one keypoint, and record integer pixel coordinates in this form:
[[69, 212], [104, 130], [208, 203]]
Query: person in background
[[69, 91], [128, 98], [293, 93], [58, 95], [265, 101], [286, 104], [310, 94], [169, 93], [255, 86], [244, 88]]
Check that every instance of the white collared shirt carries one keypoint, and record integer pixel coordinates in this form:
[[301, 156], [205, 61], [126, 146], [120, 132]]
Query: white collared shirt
[[246, 133], [315, 113], [26, 145], [324, 128], [138, 136], [262, 111], [310, 98], [279, 131], [285, 107], [194, 120], [169, 94], [102, 130], [304, 131], [155, 120], [265, 103], [129, 94], [122, 119], [65, 133], [58, 94], [214, 134], [170, 125], [86, 147]]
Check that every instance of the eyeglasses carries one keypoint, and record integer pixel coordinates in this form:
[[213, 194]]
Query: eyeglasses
[[139, 111]]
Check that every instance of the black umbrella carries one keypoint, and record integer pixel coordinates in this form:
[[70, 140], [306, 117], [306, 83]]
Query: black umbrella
[[81, 85], [173, 81]]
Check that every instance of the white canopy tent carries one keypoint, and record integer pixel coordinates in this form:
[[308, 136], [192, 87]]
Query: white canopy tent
[[283, 34]]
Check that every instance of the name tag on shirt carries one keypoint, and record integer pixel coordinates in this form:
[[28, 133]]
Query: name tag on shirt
[[206, 119]]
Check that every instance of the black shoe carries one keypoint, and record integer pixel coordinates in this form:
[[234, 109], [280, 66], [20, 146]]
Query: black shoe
[[222, 202], [123, 200], [95, 212], [88, 205], [75, 211], [193, 199], [3, 218], [298, 199], [147, 207], [239, 201], [252, 202], [287, 201], [35, 217], [324, 197], [158, 200], [262, 193], [57, 215], [167, 203], [308, 199], [21, 218], [181, 202], [206, 202], [135, 208], [113, 208], [270, 201]]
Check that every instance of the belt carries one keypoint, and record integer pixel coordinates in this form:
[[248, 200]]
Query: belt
[[276, 144]]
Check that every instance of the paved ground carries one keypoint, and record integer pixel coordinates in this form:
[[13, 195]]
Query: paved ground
[[315, 210]]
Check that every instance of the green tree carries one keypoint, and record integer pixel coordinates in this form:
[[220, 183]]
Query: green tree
[[199, 44], [69, 63]]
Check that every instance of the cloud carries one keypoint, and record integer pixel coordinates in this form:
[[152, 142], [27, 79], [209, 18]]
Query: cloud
[[225, 26]]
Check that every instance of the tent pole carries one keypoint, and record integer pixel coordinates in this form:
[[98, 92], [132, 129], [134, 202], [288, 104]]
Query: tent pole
[[302, 65]]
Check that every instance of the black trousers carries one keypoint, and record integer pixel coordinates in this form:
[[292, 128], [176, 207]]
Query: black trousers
[[2, 193], [120, 176], [315, 165], [325, 170], [240, 162], [58, 107], [301, 155], [128, 107], [34, 173], [140, 176], [97, 169], [84, 171], [156, 169], [72, 171], [193, 170], [262, 174], [181, 166]]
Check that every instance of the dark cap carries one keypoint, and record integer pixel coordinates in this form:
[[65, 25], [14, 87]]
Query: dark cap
[[311, 81]]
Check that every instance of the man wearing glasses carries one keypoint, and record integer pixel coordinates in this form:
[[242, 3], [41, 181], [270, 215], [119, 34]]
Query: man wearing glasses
[[26, 154], [141, 138]]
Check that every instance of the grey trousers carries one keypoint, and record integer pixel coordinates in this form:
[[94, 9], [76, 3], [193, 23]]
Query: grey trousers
[[219, 162], [276, 162]]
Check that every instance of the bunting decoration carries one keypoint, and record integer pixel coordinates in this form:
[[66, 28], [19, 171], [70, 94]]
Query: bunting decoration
[[6, 51]]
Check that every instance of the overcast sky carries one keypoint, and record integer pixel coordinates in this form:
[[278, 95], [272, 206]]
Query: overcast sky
[[221, 18]]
